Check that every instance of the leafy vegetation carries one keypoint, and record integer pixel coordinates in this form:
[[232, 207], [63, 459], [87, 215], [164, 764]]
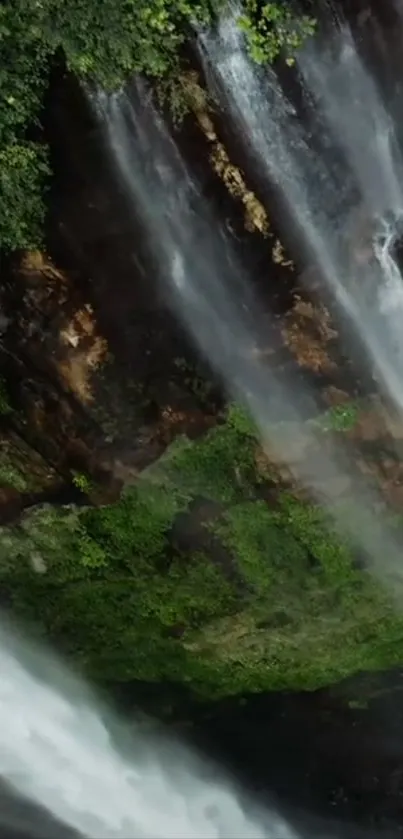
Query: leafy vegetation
[[12, 477], [23, 172], [339, 418], [272, 28], [82, 482], [273, 600], [104, 42], [24, 51]]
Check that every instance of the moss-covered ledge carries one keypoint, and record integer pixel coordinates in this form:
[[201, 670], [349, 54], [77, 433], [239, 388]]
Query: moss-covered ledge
[[207, 572]]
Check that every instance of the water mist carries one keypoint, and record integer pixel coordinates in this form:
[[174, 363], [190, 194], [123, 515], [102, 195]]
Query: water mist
[[338, 171]]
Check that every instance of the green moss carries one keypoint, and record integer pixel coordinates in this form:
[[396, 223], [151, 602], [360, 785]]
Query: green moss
[[280, 606], [123, 626], [5, 404], [219, 466], [339, 418], [21, 467], [135, 527], [12, 476], [311, 618], [263, 548]]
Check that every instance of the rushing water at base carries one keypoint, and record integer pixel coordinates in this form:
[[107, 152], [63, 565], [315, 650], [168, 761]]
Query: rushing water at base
[[339, 173], [105, 781]]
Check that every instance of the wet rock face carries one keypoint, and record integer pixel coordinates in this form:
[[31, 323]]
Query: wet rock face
[[99, 375], [87, 401], [336, 753]]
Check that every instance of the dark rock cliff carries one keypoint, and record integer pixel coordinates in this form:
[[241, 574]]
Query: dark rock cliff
[[98, 374]]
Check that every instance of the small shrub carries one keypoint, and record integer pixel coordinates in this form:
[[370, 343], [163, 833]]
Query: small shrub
[[272, 28], [82, 482], [23, 174], [92, 556], [339, 418]]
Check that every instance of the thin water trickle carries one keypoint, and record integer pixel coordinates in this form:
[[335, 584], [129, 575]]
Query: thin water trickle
[[353, 108], [339, 210], [102, 779]]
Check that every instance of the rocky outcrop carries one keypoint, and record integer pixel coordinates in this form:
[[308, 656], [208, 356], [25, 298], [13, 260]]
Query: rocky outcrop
[[333, 755], [79, 403], [208, 572], [99, 373]]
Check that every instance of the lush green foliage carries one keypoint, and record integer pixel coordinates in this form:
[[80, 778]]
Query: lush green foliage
[[263, 595], [23, 168], [23, 172], [272, 28], [82, 482]]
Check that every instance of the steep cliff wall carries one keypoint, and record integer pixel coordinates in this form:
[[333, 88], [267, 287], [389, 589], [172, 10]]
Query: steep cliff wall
[[187, 576]]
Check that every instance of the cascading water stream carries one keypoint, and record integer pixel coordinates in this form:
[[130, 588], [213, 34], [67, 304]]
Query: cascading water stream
[[328, 201], [104, 781], [206, 285], [212, 298], [352, 106]]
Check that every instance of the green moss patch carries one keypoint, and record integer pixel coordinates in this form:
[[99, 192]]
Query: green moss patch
[[21, 467], [280, 606]]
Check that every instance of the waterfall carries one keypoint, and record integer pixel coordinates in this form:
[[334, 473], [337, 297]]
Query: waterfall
[[213, 299], [338, 173], [204, 282], [209, 292], [196, 264], [107, 781]]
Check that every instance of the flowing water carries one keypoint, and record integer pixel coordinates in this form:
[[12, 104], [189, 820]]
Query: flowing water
[[195, 262], [338, 171], [104, 781]]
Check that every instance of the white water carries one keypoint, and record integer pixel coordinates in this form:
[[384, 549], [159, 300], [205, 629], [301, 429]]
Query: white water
[[347, 214], [102, 779]]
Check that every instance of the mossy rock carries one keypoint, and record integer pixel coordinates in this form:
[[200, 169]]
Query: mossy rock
[[280, 605], [21, 467]]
